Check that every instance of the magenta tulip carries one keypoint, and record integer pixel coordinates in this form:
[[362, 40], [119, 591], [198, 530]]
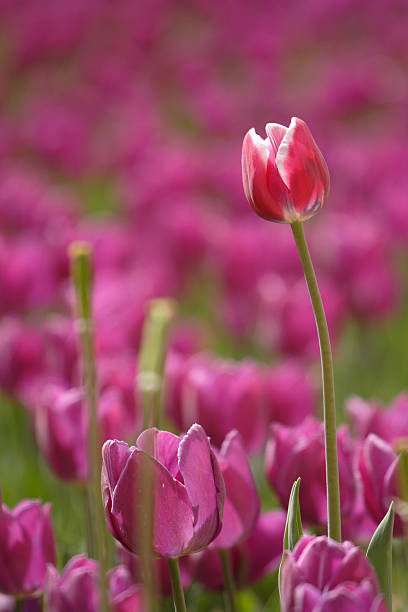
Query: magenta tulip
[[61, 426], [324, 575], [188, 490], [252, 559], [241, 508], [26, 546], [290, 393], [299, 451], [378, 465], [372, 417], [285, 176], [78, 588]]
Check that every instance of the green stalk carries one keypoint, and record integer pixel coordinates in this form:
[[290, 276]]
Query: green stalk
[[176, 585], [80, 254], [229, 585], [152, 358], [329, 404]]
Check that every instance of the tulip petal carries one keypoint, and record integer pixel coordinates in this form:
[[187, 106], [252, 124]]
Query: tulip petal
[[275, 132], [303, 170], [263, 186], [163, 446], [204, 485], [173, 515], [241, 508]]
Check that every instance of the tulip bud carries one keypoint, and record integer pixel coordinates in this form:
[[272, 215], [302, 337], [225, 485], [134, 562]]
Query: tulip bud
[[285, 176], [299, 451], [188, 491], [322, 574], [241, 508], [378, 465], [26, 546]]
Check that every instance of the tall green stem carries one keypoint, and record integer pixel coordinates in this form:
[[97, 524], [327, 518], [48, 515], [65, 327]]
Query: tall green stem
[[177, 586], [329, 404], [80, 254], [229, 585], [152, 359]]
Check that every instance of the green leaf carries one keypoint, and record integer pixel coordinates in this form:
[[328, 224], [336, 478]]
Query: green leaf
[[293, 529], [379, 553]]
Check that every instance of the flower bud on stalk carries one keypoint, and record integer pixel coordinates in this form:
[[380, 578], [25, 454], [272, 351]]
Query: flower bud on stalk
[[286, 180]]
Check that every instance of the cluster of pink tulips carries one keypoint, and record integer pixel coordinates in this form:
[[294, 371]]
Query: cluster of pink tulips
[[131, 268]]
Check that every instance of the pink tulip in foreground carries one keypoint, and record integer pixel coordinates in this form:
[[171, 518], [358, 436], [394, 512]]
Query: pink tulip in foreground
[[26, 546], [188, 490], [285, 176], [321, 574]]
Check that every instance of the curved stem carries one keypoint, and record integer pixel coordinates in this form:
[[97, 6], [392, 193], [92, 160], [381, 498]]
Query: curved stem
[[229, 585], [329, 404], [176, 585]]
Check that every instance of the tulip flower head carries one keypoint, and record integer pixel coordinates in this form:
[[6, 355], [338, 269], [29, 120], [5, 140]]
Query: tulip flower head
[[285, 176], [321, 574], [188, 490]]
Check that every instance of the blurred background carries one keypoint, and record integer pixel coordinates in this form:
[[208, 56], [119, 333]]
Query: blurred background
[[121, 124]]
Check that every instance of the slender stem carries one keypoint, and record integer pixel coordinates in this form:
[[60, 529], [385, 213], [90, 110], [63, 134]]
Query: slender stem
[[152, 358], [19, 604], [176, 585], [80, 254], [329, 404], [229, 585]]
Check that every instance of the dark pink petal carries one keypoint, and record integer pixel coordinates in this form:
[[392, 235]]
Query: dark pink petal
[[163, 446], [303, 170], [204, 485], [173, 515]]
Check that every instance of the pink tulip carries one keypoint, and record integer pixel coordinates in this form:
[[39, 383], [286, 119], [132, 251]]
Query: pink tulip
[[290, 393], [299, 451], [61, 426], [26, 546], [241, 508], [378, 465], [285, 176], [322, 574], [372, 417], [252, 559], [78, 588], [161, 570], [188, 490]]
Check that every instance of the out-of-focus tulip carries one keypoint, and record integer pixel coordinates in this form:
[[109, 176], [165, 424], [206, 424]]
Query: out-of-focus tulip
[[285, 176], [61, 425], [188, 490], [195, 387], [78, 588], [322, 574], [241, 508], [378, 465], [26, 546], [372, 417], [289, 393], [299, 451], [161, 570], [258, 555]]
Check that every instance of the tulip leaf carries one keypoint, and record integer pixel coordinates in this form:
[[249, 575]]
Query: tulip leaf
[[293, 529], [379, 554]]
